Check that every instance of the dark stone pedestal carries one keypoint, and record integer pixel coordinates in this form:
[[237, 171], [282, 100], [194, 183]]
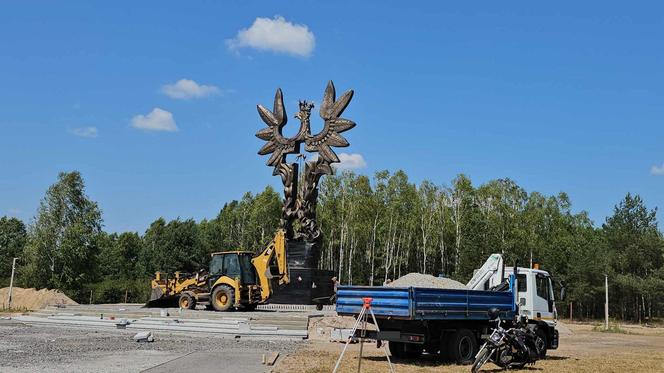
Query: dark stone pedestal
[[307, 282]]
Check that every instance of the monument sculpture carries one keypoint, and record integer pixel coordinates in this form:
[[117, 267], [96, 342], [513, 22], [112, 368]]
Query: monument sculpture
[[298, 216]]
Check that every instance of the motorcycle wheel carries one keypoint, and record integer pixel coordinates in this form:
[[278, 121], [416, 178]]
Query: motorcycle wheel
[[505, 359], [481, 358]]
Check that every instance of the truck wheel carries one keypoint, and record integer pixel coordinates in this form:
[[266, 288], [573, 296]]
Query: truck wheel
[[542, 342], [187, 302], [462, 346], [223, 298]]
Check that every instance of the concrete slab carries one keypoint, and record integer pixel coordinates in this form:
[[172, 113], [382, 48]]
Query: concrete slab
[[245, 361], [127, 361]]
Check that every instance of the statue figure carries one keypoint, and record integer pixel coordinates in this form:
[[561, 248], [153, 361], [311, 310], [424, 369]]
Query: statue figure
[[300, 205]]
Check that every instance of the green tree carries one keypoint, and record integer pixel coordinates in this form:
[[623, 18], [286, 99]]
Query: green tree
[[172, 246], [119, 256], [636, 255], [13, 237], [62, 246]]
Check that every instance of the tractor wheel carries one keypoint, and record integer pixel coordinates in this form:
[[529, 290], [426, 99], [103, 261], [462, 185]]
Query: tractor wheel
[[187, 302], [223, 298]]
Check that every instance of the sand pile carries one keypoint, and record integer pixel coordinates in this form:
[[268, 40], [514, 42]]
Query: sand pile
[[33, 299], [420, 280]]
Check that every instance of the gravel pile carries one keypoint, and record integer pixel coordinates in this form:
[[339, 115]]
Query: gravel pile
[[420, 280]]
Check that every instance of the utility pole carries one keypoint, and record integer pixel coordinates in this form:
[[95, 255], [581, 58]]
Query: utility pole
[[531, 258], [11, 284], [606, 304]]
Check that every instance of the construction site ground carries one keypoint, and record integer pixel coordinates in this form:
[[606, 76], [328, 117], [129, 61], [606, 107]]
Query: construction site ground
[[75, 338], [582, 349]]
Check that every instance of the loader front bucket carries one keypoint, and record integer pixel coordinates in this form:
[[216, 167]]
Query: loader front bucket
[[157, 299], [156, 294]]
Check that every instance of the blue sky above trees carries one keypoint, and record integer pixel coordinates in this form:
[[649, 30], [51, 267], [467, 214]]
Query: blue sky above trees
[[154, 102]]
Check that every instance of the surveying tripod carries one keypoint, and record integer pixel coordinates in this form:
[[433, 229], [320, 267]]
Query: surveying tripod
[[362, 320]]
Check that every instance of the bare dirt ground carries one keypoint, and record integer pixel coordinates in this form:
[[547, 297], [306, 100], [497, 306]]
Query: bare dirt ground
[[582, 350]]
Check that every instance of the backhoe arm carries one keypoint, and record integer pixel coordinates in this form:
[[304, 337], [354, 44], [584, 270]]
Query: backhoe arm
[[275, 250]]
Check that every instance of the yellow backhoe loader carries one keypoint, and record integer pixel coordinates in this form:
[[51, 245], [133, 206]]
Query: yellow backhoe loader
[[236, 279]]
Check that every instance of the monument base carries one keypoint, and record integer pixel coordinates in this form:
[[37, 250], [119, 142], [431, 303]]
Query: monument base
[[308, 284]]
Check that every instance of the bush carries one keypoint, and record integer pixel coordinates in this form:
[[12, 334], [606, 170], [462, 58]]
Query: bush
[[113, 291]]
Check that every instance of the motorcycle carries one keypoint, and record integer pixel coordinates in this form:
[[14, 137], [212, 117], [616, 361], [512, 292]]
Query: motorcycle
[[511, 348]]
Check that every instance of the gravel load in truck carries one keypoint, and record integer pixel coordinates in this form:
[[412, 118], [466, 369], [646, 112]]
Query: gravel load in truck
[[420, 280]]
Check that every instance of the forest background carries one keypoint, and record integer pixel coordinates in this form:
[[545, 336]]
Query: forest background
[[374, 229]]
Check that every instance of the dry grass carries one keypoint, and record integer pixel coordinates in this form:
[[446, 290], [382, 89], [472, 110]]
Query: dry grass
[[583, 351]]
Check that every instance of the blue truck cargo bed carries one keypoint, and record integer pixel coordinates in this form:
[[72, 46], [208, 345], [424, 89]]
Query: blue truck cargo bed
[[416, 303]]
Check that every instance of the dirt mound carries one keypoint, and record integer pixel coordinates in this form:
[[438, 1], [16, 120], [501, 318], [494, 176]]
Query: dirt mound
[[420, 280], [33, 299], [320, 327]]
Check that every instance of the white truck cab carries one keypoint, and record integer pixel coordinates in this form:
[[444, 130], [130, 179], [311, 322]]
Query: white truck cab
[[535, 296]]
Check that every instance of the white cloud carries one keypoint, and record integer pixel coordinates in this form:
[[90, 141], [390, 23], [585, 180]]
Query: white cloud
[[90, 132], [157, 120], [350, 161], [276, 35], [185, 89], [657, 170], [346, 161]]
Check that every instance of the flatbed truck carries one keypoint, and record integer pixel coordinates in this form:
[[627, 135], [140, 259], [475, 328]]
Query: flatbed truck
[[451, 323]]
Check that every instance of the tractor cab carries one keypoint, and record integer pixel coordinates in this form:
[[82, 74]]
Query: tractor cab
[[234, 264]]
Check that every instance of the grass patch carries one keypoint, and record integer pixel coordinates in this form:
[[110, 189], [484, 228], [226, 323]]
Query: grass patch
[[613, 328], [13, 310]]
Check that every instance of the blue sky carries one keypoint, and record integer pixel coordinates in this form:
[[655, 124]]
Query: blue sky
[[565, 96]]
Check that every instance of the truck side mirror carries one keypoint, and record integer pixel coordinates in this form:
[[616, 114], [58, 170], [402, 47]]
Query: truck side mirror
[[562, 293]]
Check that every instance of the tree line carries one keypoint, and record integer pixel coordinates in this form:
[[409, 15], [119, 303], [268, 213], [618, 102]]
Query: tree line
[[374, 229]]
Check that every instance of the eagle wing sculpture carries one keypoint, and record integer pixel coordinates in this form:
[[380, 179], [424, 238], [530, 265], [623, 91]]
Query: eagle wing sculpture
[[322, 142], [300, 202], [277, 144], [331, 110]]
